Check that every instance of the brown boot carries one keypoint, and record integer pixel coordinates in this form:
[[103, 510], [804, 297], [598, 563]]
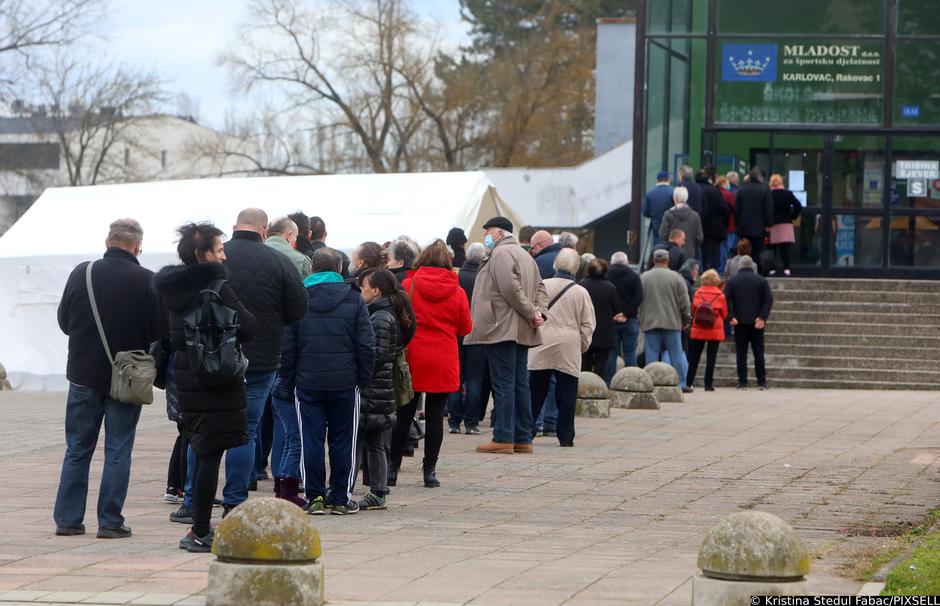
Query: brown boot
[[522, 448], [495, 448]]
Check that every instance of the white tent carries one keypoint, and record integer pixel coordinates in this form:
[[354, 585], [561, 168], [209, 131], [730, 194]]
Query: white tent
[[68, 225]]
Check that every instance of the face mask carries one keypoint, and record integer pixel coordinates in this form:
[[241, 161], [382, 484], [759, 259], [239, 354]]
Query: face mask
[[488, 241]]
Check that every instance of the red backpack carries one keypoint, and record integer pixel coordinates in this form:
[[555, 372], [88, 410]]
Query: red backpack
[[705, 313]]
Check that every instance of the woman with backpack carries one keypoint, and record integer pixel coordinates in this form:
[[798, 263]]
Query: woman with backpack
[[443, 314], [709, 310], [388, 309], [213, 411]]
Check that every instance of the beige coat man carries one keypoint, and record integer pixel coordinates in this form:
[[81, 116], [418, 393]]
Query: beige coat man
[[567, 331], [506, 295]]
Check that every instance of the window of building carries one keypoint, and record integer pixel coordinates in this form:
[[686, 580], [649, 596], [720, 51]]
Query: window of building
[[29, 156], [917, 82], [830, 17], [918, 17]]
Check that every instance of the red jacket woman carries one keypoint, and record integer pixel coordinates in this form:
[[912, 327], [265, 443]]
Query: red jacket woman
[[442, 314], [709, 295]]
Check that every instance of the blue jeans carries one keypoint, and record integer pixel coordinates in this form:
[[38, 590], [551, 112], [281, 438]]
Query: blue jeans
[[331, 416], [509, 375], [85, 410], [548, 415], [240, 462], [464, 404], [625, 345], [286, 416], [670, 341]]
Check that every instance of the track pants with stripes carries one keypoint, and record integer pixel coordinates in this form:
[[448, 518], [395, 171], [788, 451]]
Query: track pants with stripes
[[330, 417]]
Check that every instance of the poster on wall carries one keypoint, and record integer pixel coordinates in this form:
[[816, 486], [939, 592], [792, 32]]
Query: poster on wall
[[845, 240], [799, 82], [872, 184]]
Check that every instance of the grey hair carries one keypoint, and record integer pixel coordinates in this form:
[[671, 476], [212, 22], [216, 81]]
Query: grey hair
[[254, 217], [733, 176], [746, 262], [125, 232], [405, 250], [476, 252], [283, 225], [568, 261], [685, 172], [619, 258], [680, 195], [567, 240], [326, 259], [690, 265]]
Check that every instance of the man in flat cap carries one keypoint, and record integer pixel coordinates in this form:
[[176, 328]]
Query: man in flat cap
[[508, 300], [665, 312]]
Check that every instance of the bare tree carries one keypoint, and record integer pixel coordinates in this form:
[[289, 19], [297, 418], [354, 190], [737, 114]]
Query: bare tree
[[92, 110], [372, 102], [29, 26]]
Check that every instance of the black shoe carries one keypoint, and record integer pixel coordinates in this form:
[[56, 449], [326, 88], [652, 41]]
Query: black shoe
[[216, 502], [392, 475], [709, 388], [409, 451], [430, 478], [472, 431], [549, 434], [566, 444], [226, 509], [183, 515], [348, 509], [262, 475], [173, 495], [742, 385], [69, 531], [763, 387], [253, 485], [688, 389], [122, 532], [197, 544], [454, 430]]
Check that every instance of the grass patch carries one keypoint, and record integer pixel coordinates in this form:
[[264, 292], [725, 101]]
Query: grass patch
[[864, 563], [920, 573]]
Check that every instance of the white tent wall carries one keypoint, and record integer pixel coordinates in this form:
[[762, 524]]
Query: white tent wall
[[67, 226], [568, 197]]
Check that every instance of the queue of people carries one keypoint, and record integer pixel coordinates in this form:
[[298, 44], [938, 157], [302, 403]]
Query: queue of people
[[345, 353]]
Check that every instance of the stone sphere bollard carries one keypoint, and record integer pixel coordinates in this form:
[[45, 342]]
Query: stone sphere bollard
[[4, 383], [633, 388], [749, 553], [267, 552], [665, 382], [593, 397]]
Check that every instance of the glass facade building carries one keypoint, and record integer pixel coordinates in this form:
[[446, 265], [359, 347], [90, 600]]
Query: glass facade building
[[841, 97]]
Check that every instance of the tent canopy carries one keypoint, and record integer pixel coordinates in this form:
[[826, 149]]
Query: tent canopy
[[66, 226]]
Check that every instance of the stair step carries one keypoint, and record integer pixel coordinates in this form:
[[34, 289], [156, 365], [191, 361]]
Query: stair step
[[841, 285], [892, 296], [850, 351], [824, 337], [861, 329], [929, 378], [929, 311], [773, 358], [777, 383], [868, 315]]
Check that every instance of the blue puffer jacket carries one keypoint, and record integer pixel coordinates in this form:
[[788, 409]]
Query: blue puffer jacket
[[333, 347]]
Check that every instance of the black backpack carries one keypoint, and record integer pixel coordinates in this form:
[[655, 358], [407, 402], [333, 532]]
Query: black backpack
[[211, 331], [705, 313]]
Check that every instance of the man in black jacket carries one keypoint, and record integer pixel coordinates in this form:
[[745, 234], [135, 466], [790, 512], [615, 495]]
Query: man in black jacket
[[630, 289], [715, 228], [675, 246], [754, 211], [266, 281], [749, 302], [131, 317], [318, 241]]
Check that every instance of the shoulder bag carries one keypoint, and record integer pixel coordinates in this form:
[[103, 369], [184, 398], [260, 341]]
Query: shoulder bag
[[132, 372]]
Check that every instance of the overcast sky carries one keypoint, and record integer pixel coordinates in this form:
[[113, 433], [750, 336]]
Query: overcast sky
[[181, 39]]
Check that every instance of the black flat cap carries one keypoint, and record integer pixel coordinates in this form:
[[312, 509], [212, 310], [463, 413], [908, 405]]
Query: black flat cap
[[499, 222]]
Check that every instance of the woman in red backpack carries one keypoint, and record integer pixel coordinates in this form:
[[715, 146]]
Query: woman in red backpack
[[709, 310]]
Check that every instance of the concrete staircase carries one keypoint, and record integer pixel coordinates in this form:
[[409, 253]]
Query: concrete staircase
[[847, 334]]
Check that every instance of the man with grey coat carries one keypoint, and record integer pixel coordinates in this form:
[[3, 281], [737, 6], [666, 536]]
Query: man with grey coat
[[682, 216], [508, 300], [665, 312]]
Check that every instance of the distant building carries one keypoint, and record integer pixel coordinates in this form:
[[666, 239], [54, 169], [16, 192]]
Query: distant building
[[159, 147]]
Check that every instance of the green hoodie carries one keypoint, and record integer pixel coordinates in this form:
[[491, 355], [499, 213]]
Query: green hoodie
[[324, 277]]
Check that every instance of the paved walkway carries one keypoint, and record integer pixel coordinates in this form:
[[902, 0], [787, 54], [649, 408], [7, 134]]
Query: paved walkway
[[616, 520]]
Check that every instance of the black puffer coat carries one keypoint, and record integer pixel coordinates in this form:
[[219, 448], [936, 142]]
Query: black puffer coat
[[378, 397], [266, 282], [214, 419], [606, 301]]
